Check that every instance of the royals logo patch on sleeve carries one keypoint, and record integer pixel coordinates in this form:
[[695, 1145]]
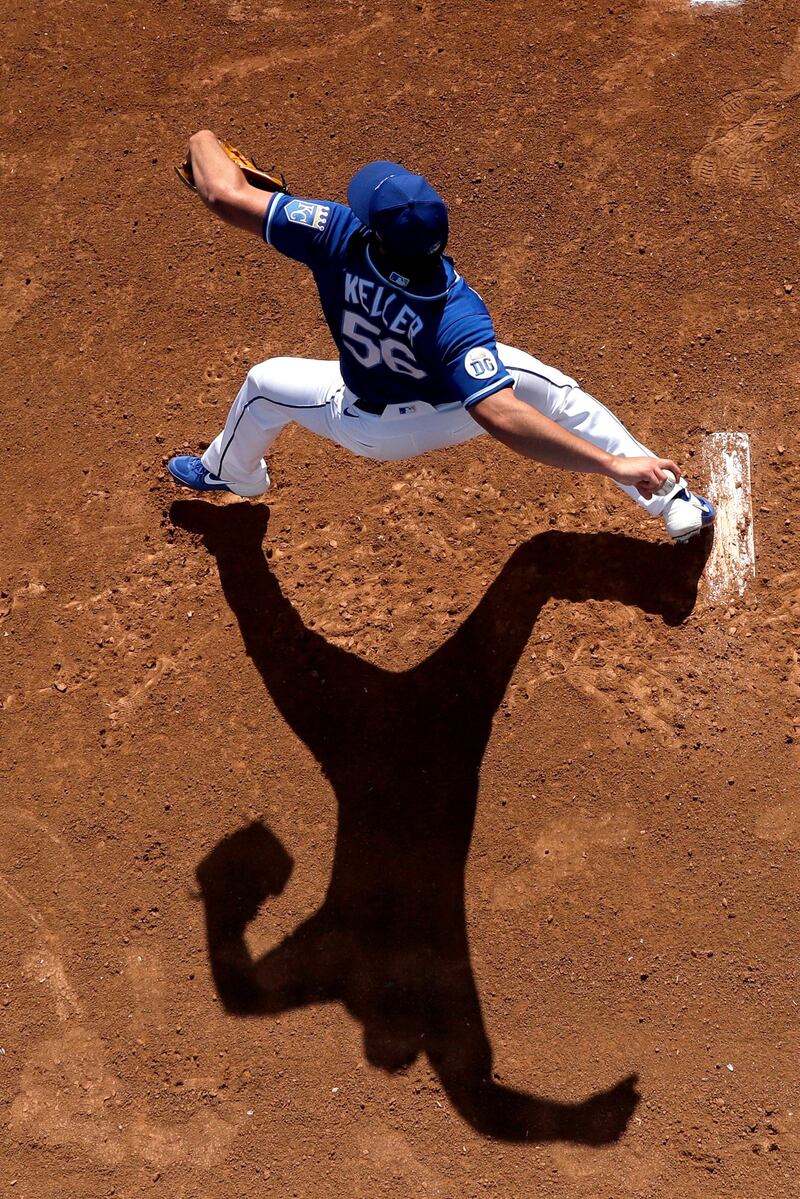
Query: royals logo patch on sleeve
[[480, 363], [303, 212]]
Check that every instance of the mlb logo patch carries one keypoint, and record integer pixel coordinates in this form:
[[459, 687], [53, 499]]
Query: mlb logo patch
[[303, 212]]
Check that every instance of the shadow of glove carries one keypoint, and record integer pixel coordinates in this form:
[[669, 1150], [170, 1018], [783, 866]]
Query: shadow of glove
[[238, 875]]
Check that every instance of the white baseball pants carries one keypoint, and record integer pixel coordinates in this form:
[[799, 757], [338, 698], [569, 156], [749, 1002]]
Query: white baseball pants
[[312, 393]]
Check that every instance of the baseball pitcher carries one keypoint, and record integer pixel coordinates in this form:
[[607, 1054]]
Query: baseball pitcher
[[419, 365]]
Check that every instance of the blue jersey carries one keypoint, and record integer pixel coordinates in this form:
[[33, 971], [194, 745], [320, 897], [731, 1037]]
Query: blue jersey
[[395, 346]]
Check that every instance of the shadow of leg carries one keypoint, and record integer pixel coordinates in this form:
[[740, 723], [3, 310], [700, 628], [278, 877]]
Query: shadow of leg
[[224, 530], [656, 577]]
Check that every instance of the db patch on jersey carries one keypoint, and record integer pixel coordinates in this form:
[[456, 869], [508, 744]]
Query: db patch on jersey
[[480, 363], [301, 212]]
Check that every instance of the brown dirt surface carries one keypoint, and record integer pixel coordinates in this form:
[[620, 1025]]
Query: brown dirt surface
[[460, 743]]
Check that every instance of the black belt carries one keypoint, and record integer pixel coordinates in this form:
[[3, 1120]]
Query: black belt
[[376, 408], [373, 407]]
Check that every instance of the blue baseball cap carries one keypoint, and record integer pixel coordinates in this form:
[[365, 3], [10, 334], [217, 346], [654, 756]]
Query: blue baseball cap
[[403, 209]]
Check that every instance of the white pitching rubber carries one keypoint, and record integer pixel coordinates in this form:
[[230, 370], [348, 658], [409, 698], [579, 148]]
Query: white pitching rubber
[[732, 563]]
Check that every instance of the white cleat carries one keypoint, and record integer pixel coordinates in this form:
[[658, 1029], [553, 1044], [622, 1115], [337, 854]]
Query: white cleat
[[687, 514]]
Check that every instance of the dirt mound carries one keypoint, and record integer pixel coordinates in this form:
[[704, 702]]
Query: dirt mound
[[425, 831]]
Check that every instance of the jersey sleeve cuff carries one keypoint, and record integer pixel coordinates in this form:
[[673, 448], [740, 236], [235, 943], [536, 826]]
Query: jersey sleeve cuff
[[489, 389], [269, 214]]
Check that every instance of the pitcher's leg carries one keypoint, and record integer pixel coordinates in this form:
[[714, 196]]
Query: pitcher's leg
[[274, 393], [560, 398]]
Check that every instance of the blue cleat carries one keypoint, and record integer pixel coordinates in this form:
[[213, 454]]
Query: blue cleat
[[688, 514], [190, 471]]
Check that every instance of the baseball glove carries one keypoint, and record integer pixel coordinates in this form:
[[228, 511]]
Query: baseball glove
[[270, 181]]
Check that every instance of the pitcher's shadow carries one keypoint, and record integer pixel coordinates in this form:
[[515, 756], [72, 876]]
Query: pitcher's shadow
[[403, 753]]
